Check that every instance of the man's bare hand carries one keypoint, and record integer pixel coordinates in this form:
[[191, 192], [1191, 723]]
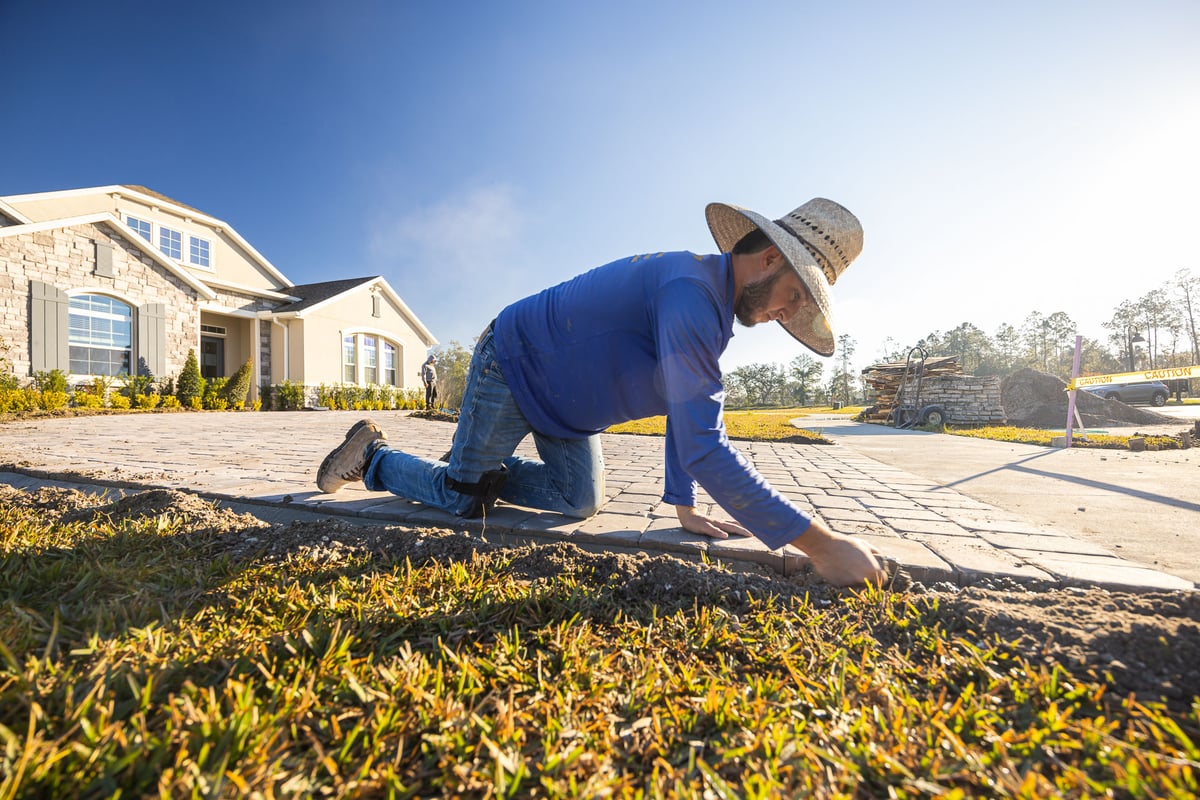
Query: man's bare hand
[[841, 560], [708, 526]]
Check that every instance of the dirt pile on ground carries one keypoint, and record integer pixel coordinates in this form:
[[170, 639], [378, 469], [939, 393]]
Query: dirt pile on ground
[[435, 414], [1033, 399], [1147, 643]]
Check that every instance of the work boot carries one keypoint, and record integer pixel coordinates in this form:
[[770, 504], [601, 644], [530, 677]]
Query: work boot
[[350, 459]]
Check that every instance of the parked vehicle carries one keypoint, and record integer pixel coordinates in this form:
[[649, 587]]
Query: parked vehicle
[[1153, 393]]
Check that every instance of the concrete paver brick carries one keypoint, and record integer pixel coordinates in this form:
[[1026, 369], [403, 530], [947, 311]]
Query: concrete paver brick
[[970, 559], [899, 516], [825, 501], [1112, 574], [938, 527], [847, 515], [666, 535], [622, 528], [1063, 545], [922, 564], [268, 461]]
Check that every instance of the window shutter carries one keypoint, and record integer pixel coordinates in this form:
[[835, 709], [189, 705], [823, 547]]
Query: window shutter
[[374, 305], [104, 260], [152, 340], [49, 316]]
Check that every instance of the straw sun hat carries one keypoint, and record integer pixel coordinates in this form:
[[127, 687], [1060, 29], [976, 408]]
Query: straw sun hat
[[819, 239]]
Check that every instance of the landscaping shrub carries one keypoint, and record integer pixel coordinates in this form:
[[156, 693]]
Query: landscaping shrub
[[237, 389], [190, 389], [289, 396], [53, 381], [264, 396], [137, 385], [50, 400], [214, 399], [84, 398]]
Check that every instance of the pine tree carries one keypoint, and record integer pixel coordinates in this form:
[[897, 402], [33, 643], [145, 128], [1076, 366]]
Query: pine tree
[[191, 382]]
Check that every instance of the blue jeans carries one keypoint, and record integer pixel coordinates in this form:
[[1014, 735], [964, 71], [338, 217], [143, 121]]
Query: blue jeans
[[568, 479]]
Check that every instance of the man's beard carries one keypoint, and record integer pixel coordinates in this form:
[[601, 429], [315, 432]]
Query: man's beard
[[754, 298]]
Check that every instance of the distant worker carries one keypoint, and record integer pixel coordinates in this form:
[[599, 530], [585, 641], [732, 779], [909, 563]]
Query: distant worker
[[636, 338], [429, 378]]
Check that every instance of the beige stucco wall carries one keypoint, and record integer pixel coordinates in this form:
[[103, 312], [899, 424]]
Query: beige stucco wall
[[286, 349], [352, 314], [66, 258]]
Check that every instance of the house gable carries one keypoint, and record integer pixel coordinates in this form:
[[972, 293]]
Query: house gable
[[205, 246], [341, 326]]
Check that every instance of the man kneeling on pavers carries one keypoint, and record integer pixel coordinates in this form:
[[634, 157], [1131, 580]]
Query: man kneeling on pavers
[[636, 338]]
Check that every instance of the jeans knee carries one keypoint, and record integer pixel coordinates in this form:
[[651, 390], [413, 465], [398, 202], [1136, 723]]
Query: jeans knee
[[582, 512], [588, 502]]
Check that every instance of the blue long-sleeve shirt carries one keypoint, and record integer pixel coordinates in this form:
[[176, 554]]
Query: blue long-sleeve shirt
[[636, 338]]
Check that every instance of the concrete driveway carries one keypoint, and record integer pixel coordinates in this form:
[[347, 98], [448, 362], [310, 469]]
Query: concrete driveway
[[1144, 506]]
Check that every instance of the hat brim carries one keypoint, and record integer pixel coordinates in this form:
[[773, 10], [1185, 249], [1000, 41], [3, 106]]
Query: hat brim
[[812, 326]]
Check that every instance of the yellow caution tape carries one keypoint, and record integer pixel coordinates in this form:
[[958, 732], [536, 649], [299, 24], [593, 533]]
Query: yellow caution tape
[[1145, 376]]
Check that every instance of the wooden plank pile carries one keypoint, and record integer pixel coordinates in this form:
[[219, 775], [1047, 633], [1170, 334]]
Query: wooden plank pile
[[886, 380]]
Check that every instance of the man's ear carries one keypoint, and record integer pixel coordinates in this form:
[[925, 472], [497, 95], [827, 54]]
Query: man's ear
[[771, 259]]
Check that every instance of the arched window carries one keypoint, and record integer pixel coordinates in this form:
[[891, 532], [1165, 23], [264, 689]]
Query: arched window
[[368, 359], [100, 335]]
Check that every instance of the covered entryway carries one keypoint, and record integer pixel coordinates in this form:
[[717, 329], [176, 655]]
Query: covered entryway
[[212, 357]]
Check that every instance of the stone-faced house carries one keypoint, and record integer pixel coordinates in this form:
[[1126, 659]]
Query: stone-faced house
[[115, 280]]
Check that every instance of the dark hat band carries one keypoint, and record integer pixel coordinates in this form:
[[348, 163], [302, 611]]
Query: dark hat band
[[816, 252]]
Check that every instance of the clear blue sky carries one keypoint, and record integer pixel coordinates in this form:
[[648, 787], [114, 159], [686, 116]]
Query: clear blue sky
[[1004, 157]]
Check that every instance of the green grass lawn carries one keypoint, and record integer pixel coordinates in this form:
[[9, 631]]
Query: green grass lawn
[[1008, 433], [139, 658], [769, 424], [776, 425]]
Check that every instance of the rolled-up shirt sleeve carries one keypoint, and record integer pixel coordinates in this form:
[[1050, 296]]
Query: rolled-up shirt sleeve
[[688, 335]]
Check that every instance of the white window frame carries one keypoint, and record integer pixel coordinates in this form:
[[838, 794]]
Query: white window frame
[[131, 320], [137, 224], [359, 358], [154, 232], [173, 239], [369, 346], [193, 259], [389, 373], [350, 363]]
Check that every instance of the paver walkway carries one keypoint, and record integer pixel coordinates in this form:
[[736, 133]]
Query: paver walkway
[[270, 459]]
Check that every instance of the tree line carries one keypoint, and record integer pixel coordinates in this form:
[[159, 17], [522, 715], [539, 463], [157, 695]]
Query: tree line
[[1157, 330]]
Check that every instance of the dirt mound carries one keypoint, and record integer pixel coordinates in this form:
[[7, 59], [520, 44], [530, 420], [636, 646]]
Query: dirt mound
[[438, 415], [1033, 399], [1148, 643], [195, 513]]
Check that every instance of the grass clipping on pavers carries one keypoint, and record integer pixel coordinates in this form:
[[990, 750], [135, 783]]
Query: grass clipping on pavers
[[159, 645]]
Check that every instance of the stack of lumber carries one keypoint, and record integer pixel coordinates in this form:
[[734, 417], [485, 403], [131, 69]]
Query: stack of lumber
[[886, 380]]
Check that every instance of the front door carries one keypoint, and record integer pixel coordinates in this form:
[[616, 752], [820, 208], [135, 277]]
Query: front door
[[212, 357]]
